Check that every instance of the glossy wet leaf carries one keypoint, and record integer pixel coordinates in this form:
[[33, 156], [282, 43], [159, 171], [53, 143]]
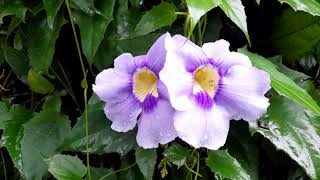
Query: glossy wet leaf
[[159, 16], [110, 49], [86, 6], [52, 128], [146, 160], [65, 167], [13, 7], [38, 83], [295, 130], [295, 33], [102, 139], [198, 8], [222, 163], [310, 6], [41, 42], [12, 123], [52, 7], [176, 154], [125, 22], [93, 27], [282, 83]]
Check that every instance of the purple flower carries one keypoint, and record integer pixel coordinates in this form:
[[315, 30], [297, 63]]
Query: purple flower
[[208, 87], [134, 95]]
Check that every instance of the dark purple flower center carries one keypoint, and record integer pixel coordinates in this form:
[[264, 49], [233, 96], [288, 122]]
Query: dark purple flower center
[[144, 88]]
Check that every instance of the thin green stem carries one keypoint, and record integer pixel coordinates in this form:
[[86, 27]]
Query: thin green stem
[[69, 85], [119, 170], [4, 166], [182, 13], [204, 22], [199, 33], [87, 129], [85, 88], [192, 171], [5, 82], [75, 38], [198, 166], [317, 74]]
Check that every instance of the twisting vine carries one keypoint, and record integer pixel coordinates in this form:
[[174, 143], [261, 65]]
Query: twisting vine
[[84, 85]]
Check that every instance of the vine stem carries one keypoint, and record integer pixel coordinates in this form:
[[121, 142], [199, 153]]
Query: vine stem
[[4, 166], [85, 88], [119, 170], [191, 170], [181, 13], [198, 167]]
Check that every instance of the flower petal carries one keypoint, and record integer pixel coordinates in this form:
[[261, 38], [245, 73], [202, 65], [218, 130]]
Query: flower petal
[[124, 64], [123, 114], [192, 55], [156, 55], [157, 126], [202, 128], [109, 85], [179, 82], [216, 49], [219, 53], [242, 92]]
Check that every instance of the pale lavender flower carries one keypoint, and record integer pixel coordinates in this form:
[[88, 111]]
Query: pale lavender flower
[[134, 95], [208, 87]]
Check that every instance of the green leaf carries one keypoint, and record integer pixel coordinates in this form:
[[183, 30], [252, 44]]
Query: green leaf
[[86, 6], [282, 83], [12, 123], [235, 11], [295, 33], [110, 49], [92, 28], [310, 6], [146, 160], [13, 8], [222, 163], [176, 154], [198, 8], [52, 7], [125, 22], [52, 103], [43, 134], [159, 16], [102, 139], [41, 42], [17, 42], [295, 130], [17, 60], [64, 167], [38, 83], [232, 8]]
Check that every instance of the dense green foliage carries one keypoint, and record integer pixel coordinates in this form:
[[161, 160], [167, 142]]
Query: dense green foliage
[[53, 127]]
